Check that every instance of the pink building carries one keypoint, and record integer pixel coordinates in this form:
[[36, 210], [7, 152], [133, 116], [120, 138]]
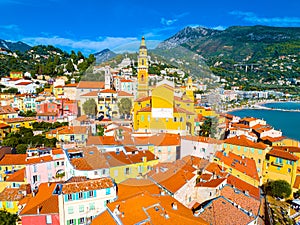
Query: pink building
[[47, 112], [44, 165]]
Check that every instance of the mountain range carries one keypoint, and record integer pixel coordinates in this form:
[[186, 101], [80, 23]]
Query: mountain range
[[14, 46]]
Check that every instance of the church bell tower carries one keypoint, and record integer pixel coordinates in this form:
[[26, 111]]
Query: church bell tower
[[143, 88]]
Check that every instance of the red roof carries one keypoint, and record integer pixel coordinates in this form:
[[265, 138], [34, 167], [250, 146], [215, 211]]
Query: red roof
[[24, 83], [283, 154]]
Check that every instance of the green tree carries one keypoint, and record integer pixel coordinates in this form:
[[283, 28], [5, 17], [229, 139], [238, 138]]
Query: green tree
[[100, 130], [209, 127], [70, 66], [279, 188], [125, 106], [7, 218], [21, 148], [90, 107]]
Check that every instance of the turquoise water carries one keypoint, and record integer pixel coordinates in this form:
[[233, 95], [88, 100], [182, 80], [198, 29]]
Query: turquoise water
[[287, 122], [283, 105]]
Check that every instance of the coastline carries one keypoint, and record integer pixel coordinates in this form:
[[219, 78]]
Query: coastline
[[260, 106]]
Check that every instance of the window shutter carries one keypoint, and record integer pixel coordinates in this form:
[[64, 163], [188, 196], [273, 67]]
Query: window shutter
[[95, 193], [85, 195], [66, 198]]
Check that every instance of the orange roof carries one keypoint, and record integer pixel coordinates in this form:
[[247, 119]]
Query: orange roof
[[70, 130], [13, 159], [91, 94], [57, 151], [17, 176], [143, 99], [40, 159], [108, 91], [148, 209], [249, 119], [244, 141], [80, 164], [13, 194], [283, 154], [297, 182], [176, 98], [19, 119], [240, 126], [222, 212], [3, 126], [45, 201], [103, 218], [212, 183], [244, 165], [7, 110], [123, 93], [165, 139], [172, 176], [216, 169], [272, 139], [87, 185], [24, 83], [91, 85], [244, 186], [287, 148], [124, 80], [132, 186], [101, 140]]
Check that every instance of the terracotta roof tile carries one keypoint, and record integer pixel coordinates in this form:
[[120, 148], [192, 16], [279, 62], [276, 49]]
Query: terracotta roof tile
[[283, 154], [18, 176], [244, 165], [102, 140], [123, 93], [6, 110], [87, 185], [91, 94], [13, 159], [45, 201], [172, 176], [108, 91], [243, 141], [90, 85], [212, 183], [297, 182], [19, 119], [221, 212], [13, 194], [244, 186], [144, 207]]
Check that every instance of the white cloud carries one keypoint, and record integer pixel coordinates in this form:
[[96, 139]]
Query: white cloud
[[272, 21], [219, 28], [118, 44], [10, 27], [166, 22]]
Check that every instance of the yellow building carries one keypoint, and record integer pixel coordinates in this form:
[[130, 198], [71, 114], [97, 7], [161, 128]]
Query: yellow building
[[15, 74], [58, 91], [280, 165], [10, 198], [16, 123], [143, 88], [76, 135], [239, 166], [242, 146], [205, 112], [4, 131], [108, 103], [124, 165], [9, 165], [7, 112]]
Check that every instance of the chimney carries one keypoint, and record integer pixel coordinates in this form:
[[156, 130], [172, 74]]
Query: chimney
[[174, 206], [38, 209]]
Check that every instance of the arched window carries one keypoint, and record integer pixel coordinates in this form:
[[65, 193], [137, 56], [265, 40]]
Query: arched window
[[142, 78], [143, 62]]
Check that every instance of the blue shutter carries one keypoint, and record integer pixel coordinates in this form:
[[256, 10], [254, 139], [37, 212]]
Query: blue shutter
[[76, 196], [95, 193], [85, 195], [66, 198]]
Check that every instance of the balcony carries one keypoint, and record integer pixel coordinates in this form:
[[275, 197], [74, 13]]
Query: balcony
[[277, 164]]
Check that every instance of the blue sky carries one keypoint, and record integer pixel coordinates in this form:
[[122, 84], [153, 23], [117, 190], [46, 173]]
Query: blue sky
[[93, 25]]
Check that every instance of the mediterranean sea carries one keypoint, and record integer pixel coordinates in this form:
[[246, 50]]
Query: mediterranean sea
[[287, 122]]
